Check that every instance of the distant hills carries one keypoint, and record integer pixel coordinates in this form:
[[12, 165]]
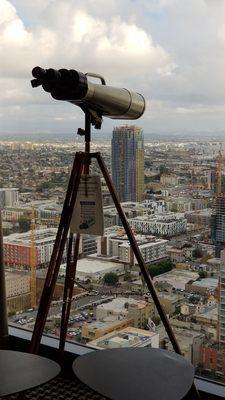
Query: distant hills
[[103, 136]]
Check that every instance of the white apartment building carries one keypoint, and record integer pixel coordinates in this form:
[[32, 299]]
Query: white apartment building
[[167, 225], [154, 206], [116, 245], [46, 211]]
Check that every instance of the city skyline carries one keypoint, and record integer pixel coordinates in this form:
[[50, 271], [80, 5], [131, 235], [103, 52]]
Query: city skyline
[[172, 226], [156, 49]]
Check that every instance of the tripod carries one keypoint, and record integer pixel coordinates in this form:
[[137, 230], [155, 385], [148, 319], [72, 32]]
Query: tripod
[[81, 165]]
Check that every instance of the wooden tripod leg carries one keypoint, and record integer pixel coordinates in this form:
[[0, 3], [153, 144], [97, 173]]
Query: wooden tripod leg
[[140, 260], [57, 253], [68, 288]]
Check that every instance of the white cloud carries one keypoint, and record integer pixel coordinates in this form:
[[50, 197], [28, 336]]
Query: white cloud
[[68, 37], [85, 40], [172, 51]]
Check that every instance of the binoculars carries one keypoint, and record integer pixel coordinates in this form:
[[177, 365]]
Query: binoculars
[[75, 87]]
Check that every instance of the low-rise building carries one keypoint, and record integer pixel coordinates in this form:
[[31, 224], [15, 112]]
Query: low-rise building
[[17, 283], [88, 245], [171, 302], [179, 204], [131, 209], [9, 197], [214, 265], [127, 337], [17, 247], [98, 329], [154, 206], [176, 255], [199, 217], [203, 286], [187, 309], [169, 180], [190, 343], [177, 279], [94, 269], [212, 359], [208, 317], [122, 307], [166, 225], [115, 244]]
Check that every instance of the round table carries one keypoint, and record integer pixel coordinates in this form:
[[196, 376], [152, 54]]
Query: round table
[[21, 371], [135, 373]]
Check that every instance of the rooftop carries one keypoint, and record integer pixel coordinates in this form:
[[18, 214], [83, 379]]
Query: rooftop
[[118, 304], [209, 313], [104, 324], [24, 239], [9, 275], [95, 265], [165, 218], [209, 283], [130, 337], [177, 278]]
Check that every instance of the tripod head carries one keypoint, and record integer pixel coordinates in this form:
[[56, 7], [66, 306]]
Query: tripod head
[[97, 99]]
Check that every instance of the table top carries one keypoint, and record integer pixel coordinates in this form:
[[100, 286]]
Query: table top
[[21, 371], [135, 373]]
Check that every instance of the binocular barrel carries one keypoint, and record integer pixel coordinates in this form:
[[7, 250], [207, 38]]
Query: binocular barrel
[[74, 86]]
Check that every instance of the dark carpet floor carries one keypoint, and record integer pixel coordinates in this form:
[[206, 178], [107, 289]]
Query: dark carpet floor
[[59, 389]]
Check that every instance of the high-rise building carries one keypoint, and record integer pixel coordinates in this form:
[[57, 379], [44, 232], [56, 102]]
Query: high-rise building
[[222, 299], [218, 224], [218, 215], [128, 162]]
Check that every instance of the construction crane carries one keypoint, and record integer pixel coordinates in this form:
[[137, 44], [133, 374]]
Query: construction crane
[[219, 172], [33, 262]]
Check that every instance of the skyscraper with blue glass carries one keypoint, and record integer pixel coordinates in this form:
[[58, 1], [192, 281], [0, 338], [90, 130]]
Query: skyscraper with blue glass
[[128, 162]]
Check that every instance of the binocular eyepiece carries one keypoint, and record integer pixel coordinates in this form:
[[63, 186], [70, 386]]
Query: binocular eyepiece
[[74, 86], [63, 84]]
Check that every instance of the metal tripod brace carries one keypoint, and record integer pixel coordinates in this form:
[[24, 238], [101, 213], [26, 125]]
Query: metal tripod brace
[[81, 166]]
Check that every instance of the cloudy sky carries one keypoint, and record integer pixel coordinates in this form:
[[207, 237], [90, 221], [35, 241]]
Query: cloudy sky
[[171, 51]]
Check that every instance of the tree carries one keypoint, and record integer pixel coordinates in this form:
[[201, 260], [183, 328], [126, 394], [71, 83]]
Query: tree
[[148, 179], [163, 169], [160, 268], [110, 279], [43, 186], [203, 274], [156, 319], [187, 245], [24, 225], [127, 276], [197, 253]]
